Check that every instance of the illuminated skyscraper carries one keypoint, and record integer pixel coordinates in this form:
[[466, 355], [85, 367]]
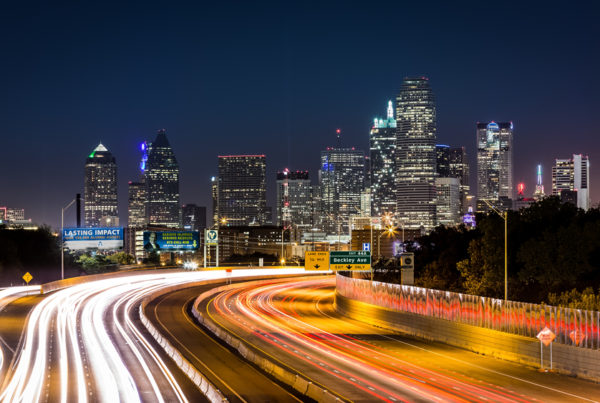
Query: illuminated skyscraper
[[214, 191], [382, 143], [452, 162], [539, 193], [573, 175], [447, 201], [162, 181], [415, 154], [138, 195], [100, 187], [242, 192], [494, 165], [341, 180], [294, 201], [137, 205]]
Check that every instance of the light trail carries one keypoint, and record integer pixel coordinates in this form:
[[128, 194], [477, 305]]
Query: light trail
[[7, 296], [267, 315], [82, 343]]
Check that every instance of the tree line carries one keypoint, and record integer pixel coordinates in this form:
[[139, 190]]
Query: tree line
[[553, 256]]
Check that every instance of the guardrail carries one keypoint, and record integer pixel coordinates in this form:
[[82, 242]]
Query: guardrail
[[208, 389], [574, 327]]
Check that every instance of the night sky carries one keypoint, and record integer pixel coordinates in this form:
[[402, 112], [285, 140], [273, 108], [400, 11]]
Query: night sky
[[278, 79]]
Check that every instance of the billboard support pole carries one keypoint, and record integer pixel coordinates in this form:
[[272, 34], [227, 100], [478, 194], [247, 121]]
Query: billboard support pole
[[62, 239]]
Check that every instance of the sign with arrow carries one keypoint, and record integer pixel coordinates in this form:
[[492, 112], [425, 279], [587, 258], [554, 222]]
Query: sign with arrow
[[350, 260], [316, 260]]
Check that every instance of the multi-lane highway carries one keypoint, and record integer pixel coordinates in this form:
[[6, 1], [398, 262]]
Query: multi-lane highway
[[86, 343], [295, 323]]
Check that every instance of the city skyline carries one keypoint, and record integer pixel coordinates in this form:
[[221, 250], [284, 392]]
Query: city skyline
[[125, 84]]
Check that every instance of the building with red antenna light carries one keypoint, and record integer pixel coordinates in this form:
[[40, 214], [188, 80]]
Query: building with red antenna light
[[294, 202]]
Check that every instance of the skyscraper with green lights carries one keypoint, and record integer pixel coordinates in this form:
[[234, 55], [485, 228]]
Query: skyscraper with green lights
[[100, 188]]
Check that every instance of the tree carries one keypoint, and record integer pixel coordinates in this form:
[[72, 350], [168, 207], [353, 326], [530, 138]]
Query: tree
[[121, 258]]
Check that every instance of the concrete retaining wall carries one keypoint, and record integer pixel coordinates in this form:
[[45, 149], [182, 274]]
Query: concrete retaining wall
[[570, 360]]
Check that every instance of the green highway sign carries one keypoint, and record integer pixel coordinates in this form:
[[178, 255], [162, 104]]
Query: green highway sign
[[350, 260]]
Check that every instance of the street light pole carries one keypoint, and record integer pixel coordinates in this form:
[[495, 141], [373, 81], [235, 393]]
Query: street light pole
[[504, 216], [62, 239]]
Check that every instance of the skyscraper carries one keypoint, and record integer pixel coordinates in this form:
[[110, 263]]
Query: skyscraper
[[415, 154], [494, 164], [442, 160], [341, 180], [214, 192], [137, 205], [193, 217], [448, 201], [162, 181], [242, 192], [294, 201], [382, 144], [138, 194], [100, 187], [452, 162], [573, 175], [539, 193]]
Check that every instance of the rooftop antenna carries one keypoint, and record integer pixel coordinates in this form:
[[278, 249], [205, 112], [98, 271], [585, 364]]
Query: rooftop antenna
[[338, 134]]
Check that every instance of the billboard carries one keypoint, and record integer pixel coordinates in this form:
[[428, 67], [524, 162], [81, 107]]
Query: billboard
[[171, 240], [93, 238]]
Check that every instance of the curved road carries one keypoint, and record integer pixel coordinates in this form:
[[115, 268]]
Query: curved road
[[295, 323], [86, 343], [235, 378]]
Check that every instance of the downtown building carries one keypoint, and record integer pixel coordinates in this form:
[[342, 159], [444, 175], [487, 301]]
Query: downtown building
[[495, 165], [341, 185], [162, 184], [452, 162], [571, 180], [242, 191], [100, 189], [415, 155], [382, 149], [138, 195], [193, 218], [295, 207]]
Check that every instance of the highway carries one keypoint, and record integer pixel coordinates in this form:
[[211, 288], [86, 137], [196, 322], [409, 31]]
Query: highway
[[235, 378], [86, 343], [294, 322]]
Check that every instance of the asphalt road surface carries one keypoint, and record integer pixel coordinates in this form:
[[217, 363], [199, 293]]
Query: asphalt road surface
[[295, 323]]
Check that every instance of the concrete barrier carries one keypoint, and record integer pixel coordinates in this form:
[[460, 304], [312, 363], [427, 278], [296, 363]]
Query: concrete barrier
[[283, 374], [570, 360]]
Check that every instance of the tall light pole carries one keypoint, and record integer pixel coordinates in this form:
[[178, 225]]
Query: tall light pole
[[62, 239], [504, 215]]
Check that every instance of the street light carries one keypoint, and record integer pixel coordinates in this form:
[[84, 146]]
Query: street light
[[504, 216], [62, 238]]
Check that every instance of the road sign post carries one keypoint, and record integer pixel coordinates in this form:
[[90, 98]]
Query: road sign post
[[211, 237], [546, 336], [350, 260], [27, 277]]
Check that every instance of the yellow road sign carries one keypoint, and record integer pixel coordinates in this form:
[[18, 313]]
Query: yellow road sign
[[360, 267], [316, 261], [27, 277]]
